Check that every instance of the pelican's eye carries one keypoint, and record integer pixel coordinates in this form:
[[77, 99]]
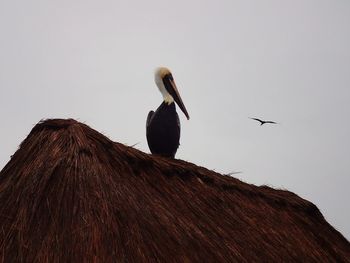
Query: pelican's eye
[[169, 76]]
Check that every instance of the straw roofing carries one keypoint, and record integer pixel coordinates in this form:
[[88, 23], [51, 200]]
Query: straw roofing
[[69, 194]]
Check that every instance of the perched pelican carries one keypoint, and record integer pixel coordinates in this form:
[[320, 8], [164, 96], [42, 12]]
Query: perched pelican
[[262, 121], [163, 125]]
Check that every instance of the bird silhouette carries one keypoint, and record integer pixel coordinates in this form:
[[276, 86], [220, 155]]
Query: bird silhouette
[[262, 121]]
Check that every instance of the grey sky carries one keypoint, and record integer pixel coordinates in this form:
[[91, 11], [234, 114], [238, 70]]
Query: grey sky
[[288, 61]]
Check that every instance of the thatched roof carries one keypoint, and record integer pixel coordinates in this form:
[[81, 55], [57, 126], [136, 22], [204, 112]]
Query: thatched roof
[[69, 194]]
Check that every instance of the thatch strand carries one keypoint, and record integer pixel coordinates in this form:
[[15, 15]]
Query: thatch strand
[[69, 194]]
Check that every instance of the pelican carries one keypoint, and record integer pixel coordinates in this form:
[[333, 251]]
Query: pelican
[[163, 125], [262, 122]]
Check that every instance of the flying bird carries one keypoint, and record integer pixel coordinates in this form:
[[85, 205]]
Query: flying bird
[[163, 125], [262, 121]]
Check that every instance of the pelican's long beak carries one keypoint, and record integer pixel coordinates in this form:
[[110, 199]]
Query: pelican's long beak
[[170, 86]]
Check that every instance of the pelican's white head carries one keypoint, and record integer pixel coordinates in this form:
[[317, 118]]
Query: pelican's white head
[[166, 84], [159, 75]]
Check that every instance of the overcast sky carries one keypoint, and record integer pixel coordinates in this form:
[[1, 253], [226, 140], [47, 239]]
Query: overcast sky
[[287, 61]]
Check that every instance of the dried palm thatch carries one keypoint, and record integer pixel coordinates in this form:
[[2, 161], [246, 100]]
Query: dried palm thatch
[[69, 194]]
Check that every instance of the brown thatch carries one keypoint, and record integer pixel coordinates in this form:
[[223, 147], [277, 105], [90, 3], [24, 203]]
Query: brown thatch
[[69, 194]]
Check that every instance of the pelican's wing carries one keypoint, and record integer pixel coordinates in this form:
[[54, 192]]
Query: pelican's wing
[[149, 117], [178, 124], [271, 122]]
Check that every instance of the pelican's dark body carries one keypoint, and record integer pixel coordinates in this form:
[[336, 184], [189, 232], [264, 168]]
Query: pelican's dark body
[[163, 130]]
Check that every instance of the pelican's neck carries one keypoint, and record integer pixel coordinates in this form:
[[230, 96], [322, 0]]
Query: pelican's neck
[[168, 99]]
